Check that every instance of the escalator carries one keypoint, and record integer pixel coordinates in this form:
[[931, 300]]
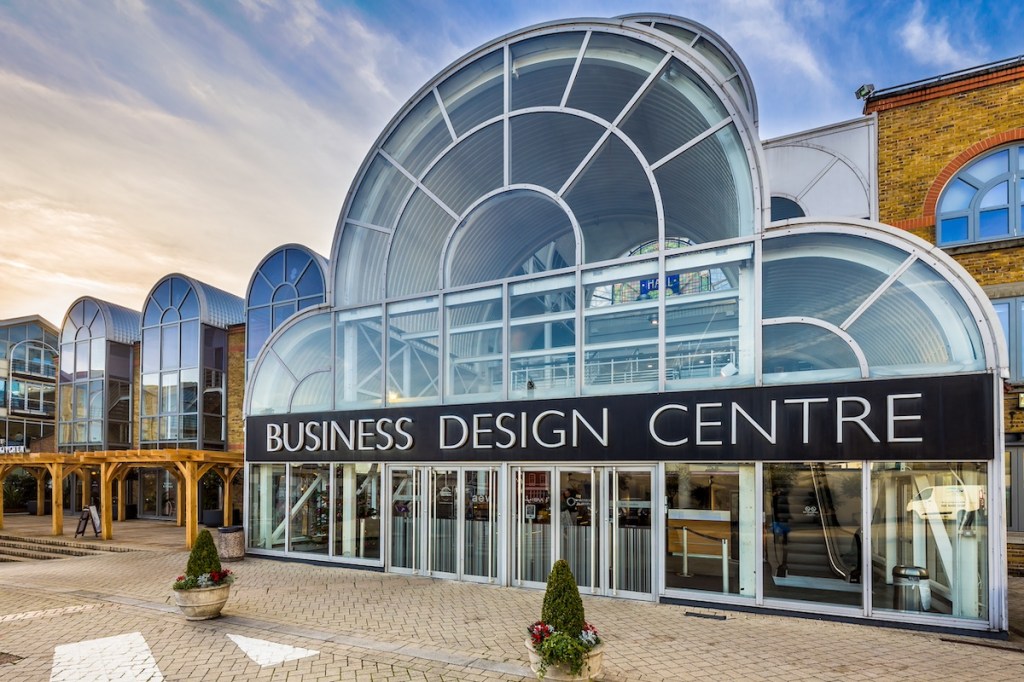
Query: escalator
[[809, 547]]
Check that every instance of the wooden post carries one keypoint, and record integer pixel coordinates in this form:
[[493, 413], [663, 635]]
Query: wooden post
[[179, 502], [40, 477], [191, 504], [107, 470], [227, 475], [57, 480], [4, 470], [122, 489]]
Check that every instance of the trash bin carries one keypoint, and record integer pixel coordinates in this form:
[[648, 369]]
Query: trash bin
[[231, 543], [911, 591]]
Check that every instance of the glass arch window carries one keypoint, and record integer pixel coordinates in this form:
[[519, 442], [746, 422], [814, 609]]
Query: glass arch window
[[984, 201], [290, 278], [170, 364], [578, 161], [94, 388]]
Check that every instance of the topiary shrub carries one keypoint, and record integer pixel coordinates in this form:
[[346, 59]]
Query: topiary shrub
[[204, 557], [563, 606]]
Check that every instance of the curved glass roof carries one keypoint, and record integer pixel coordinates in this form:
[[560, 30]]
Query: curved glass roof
[[192, 299], [100, 319], [718, 53], [288, 279], [550, 141]]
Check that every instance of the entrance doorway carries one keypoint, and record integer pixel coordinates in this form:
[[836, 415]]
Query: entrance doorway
[[596, 518], [444, 522]]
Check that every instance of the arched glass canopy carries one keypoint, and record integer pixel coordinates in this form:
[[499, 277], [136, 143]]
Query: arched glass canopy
[[576, 210], [290, 278], [549, 147], [184, 361], [94, 392]]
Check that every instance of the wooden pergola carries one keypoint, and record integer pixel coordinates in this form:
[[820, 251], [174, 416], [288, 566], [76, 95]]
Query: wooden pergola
[[188, 466]]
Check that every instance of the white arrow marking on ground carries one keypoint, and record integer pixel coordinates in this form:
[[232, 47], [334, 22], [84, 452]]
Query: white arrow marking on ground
[[269, 653], [123, 657]]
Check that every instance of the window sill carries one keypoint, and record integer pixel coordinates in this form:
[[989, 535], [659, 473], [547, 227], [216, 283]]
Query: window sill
[[981, 247]]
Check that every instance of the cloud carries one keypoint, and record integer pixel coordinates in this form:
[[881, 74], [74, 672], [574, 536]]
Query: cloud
[[928, 42]]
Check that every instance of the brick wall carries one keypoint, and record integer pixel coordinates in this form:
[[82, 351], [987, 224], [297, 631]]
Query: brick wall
[[1015, 559], [236, 388]]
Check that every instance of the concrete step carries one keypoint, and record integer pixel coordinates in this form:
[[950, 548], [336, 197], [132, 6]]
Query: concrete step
[[29, 546], [29, 555], [45, 542]]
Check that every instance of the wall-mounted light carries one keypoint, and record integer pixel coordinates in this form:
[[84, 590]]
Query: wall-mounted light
[[653, 319], [864, 91], [1020, 400]]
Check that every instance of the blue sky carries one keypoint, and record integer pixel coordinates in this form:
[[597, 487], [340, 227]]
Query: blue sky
[[143, 137]]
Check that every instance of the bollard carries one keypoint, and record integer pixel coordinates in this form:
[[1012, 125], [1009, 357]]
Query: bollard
[[231, 543], [909, 584]]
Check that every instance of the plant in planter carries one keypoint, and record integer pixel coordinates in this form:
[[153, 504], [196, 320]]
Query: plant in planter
[[202, 592], [562, 644]]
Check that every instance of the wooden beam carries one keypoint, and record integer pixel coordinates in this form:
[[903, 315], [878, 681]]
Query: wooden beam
[[83, 477], [40, 492], [122, 489], [191, 503]]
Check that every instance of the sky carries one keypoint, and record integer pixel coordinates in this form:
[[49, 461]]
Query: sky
[[140, 138]]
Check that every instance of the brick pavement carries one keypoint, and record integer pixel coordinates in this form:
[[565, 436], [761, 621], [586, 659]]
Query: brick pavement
[[374, 626]]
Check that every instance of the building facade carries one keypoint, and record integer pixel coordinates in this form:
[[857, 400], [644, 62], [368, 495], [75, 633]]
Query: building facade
[[559, 322], [950, 164]]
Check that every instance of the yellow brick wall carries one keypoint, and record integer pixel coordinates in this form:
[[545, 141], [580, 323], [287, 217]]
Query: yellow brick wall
[[916, 141], [236, 388]]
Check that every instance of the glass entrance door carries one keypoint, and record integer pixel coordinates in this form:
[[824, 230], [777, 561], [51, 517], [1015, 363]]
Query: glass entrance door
[[601, 526], [442, 540], [406, 503], [629, 558]]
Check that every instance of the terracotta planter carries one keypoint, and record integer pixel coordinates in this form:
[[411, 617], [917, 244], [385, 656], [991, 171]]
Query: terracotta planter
[[202, 603], [591, 666]]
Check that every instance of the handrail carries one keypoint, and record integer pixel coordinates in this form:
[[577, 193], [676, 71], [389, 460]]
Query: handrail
[[724, 550], [828, 524]]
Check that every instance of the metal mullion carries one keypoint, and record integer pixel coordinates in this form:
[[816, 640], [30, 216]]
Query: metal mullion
[[444, 114], [419, 185], [575, 69], [580, 333], [759, 575], [877, 293], [692, 142], [866, 576], [662, 319], [505, 122]]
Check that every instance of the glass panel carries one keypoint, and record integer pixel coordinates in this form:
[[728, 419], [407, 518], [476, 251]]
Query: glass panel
[[416, 246], [169, 393], [707, 190], [480, 552], [359, 360], [81, 359], [357, 510], [953, 230], [310, 508], [994, 223], [919, 320], [957, 196], [296, 263], [190, 343], [360, 271], [420, 137], [579, 525], [281, 312], [929, 538], [795, 349], [190, 391], [81, 400], [268, 502], [990, 166], [97, 357], [443, 522], [711, 528], [613, 69], [997, 196], [170, 350], [311, 283], [813, 535], [257, 331], [680, 96], [614, 203], [96, 399], [471, 169], [545, 148], [405, 531], [474, 344], [381, 193], [531, 523], [261, 290], [541, 68], [189, 308], [475, 92], [413, 356]]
